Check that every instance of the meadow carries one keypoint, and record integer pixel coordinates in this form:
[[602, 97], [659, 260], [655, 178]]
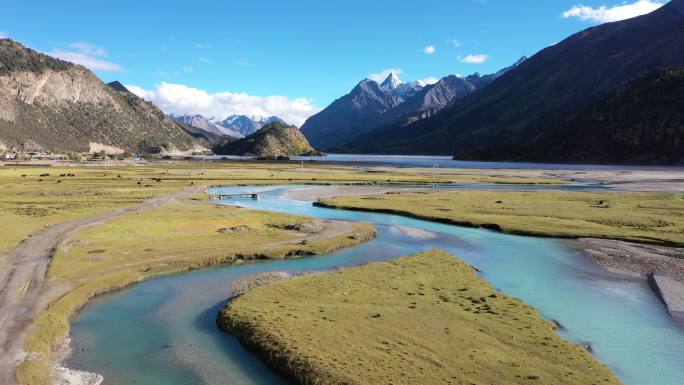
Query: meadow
[[29, 201], [186, 234], [656, 218], [426, 318]]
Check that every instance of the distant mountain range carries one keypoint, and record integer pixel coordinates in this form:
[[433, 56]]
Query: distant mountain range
[[47, 103], [235, 126], [371, 105], [578, 100], [275, 139], [611, 93]]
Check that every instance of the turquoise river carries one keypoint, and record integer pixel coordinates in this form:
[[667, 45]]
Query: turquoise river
[[163, 331]]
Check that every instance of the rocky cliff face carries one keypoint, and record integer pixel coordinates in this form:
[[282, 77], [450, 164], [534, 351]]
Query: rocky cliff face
[[47, 103]]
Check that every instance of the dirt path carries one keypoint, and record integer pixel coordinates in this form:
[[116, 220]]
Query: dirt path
[[23, 290]]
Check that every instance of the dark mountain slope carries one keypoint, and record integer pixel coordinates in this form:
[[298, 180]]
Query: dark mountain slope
[[542, 94], [641, 122], [349, 115], [428, 101], [407, 103]]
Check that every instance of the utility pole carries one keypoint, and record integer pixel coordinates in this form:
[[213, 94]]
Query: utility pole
[[435, 184]]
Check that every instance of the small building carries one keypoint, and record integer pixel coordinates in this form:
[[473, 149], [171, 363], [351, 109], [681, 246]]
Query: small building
[[43, 156]]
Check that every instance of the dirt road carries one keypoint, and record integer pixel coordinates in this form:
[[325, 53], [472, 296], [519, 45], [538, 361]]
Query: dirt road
[[24, 291]]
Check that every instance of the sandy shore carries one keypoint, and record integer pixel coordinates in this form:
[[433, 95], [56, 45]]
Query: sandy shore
[[414, 232], [66, 376], [663, 267], [662, 180], [245, 284]]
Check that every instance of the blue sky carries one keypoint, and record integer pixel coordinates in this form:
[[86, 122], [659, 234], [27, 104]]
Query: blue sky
[[306, 51]]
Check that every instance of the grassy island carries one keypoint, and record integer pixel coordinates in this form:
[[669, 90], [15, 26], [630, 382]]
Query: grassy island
[[656, 218], [423, 319]]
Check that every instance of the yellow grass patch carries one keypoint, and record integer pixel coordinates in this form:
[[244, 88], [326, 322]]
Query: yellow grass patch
[[423, 319]]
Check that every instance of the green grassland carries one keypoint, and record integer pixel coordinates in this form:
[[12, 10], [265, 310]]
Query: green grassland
[[28, 202], [641, 217], [174, 237], [171, 238], [423, 319]]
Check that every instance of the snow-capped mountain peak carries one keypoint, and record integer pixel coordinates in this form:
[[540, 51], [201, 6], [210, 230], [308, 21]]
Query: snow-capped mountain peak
[[394, 86], [237, 126], [247, 125], [391, 82], [202, 123]]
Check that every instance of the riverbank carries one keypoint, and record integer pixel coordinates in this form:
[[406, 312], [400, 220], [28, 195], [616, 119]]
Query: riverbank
[[184, 234], [662, 267], [427, 318]]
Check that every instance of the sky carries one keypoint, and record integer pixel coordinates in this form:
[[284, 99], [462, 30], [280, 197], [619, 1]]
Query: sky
[[292, 58]]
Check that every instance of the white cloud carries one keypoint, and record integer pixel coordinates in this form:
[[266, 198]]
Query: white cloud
[[86, 61], [89, 49], [382, 75], [88, 55], [605, 14], [430, 49], [181, 99], [454, 42], [428, 80], [4, 35], [475, 59]]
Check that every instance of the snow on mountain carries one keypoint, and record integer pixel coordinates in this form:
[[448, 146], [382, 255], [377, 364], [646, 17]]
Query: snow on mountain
[[247, 125], [205, 124], [403, 91]]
